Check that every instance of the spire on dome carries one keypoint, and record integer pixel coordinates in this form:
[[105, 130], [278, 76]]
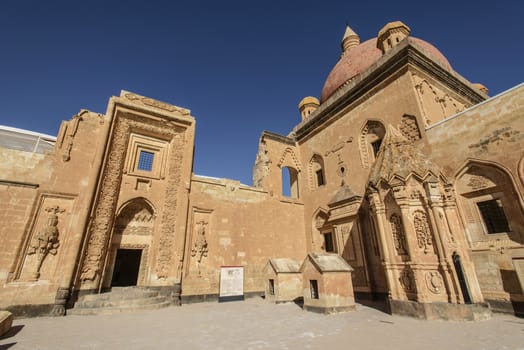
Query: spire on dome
[[350, 39]]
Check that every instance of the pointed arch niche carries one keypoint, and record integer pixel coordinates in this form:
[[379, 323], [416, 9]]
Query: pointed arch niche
[[489, 203], [370, 140], [317, 174], [290, 168], [127, 264]]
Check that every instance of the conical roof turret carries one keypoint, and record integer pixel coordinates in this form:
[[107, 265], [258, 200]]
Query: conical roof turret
[[350, 39]]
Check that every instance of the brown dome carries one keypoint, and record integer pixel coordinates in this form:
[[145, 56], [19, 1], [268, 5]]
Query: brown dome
[[359, 58]]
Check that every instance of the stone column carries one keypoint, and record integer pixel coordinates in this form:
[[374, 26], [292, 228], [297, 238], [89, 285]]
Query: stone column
[[379, 211], [435, 203]]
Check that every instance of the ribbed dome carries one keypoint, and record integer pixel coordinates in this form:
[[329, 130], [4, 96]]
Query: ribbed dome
[[359, 58]]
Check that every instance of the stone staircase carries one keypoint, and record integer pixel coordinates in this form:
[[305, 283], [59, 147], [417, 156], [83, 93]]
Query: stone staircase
[[118, 300]]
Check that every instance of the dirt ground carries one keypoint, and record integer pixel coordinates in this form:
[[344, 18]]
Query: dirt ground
[[257, 324]]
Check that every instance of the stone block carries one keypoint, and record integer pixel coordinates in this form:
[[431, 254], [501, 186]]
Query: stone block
[[6, 320]]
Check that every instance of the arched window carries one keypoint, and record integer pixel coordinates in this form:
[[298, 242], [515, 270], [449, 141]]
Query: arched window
[[370, 141], [488, 201], [317, 176], [289, 182]]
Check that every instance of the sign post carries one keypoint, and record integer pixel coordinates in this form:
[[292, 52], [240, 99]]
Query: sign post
[[231, 283]]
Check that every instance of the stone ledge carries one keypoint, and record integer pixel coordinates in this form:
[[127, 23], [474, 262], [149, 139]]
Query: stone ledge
[[329, 310], [441, 311]]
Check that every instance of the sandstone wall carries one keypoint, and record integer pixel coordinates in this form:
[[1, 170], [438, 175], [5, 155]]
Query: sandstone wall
[[231, 224]]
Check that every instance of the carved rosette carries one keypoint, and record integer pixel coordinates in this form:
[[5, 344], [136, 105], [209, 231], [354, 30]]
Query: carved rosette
[[399, 237], [424, 239], [46, 240], [434, 282], [105, 207]]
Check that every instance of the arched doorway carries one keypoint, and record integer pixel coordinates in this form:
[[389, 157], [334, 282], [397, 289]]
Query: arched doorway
[[132, 232]]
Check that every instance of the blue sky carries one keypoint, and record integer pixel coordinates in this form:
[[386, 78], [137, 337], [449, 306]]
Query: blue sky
[[241, 67]]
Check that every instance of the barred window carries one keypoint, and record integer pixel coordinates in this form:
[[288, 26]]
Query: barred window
[[145, 161]]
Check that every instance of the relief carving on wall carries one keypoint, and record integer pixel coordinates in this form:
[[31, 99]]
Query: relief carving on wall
[[399, 237], [434, 282], [424, 238], [406, 280], [294, 159], [200, 249], [167, 237], [433, 99], [100, 226], [409, 128], [155, 103], [46, 240], [503, 135]]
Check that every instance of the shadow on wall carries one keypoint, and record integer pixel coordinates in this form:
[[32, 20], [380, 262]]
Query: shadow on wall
[[511, 284]]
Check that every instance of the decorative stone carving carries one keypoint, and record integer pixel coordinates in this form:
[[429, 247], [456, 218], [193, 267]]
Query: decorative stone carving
[[62, 294], [477, 182], [167, 237], [338, 146], [315, 164], [294, 159], [135, 219], [46, 240], [100, 226], [399, 238], [409, 128], [261, 169], [200, 249], [70, 129], [372, 131], [434, 282], [432, 99], [424, 238], [406, 280], [155, 103]]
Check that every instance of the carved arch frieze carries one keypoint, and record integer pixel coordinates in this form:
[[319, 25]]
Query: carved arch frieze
[[289, 158]]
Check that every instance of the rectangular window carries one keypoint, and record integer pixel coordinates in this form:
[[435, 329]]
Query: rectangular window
[[145, 161], [493, 216], [320, 177], [313, 286], [328, 242], [271, 287]]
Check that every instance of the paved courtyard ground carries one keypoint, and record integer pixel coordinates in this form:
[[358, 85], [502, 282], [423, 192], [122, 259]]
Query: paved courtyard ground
[[256, 324]]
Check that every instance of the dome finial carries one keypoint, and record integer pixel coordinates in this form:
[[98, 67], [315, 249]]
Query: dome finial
[[350, 39]]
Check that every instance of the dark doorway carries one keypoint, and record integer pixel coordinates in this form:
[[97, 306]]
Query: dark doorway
[[127, 264], [461, 278]]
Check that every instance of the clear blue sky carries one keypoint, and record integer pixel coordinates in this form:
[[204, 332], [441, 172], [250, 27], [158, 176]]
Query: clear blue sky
[[241, 67]]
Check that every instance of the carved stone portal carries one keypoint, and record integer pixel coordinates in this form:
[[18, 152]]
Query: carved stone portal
[[46, 240]]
